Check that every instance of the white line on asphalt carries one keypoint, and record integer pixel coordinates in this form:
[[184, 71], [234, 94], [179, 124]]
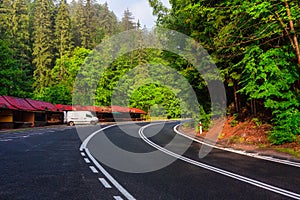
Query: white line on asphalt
[[103, 171], [5, 140], [118, 198], [83, 154], [255, 155], [217, 170], [104, 183], [94, 170], [86, 160]]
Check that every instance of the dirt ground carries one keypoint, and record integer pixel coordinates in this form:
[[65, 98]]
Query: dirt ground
[[249, 136]]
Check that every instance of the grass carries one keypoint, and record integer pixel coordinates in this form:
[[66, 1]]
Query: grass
[[221, 136], [290, 151], [236, 139]]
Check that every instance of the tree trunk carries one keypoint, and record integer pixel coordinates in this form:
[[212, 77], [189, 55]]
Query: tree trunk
[[236, 100], [295, 39]]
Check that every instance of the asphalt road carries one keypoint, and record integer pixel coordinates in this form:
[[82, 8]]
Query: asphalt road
[[52, 163]]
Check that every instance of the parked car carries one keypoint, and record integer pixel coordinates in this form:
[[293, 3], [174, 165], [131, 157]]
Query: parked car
[[81, 117]]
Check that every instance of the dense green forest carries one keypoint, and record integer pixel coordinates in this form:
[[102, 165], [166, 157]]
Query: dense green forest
[[254, 44]]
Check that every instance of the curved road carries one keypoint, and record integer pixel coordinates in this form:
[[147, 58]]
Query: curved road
[[54, 163], [220, 175]]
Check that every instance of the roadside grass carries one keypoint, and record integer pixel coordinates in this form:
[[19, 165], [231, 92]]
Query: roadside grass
[[290, 151], [236, 139]]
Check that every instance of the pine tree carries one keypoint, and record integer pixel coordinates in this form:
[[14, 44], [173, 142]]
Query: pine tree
[[20, 32], [63, 33], [43, 50], [20, 43], [127, 22], [5, 17], [107, 20], [80, 26]]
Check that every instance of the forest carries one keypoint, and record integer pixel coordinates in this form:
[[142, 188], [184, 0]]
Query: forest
[[254, 44]]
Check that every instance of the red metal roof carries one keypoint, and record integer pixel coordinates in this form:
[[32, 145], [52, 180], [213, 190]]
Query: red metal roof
[[120, 109], [103, 109], [81, 108], [19, 103], [41, 105], [138, 111], [63, 107], [5, 104]]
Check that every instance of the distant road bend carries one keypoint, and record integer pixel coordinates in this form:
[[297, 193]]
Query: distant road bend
[[220, 175]]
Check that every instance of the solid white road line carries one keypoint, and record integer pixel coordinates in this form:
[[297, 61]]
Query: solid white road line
[[217, 170], [286, 162], [104, 183], [103, 171], [86, 160], [94, 170]]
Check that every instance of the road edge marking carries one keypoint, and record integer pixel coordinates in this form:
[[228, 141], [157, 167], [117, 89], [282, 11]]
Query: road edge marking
[[254, 155], [218, 170]]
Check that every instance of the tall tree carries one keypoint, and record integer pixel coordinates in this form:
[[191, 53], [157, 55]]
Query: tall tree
[[20, 33], [63, 34], [43, 45], [254, 43], [127, 22], [21, 44], [107, 20], [5, 17]]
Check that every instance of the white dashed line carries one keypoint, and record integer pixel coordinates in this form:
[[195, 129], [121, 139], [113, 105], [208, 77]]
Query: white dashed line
[[94, 170], [86, 160], [104, 183], [103, 171], [83, 154], [118, 198]]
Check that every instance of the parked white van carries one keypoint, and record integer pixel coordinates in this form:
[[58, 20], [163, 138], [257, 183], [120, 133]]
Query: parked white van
[[81, 117]]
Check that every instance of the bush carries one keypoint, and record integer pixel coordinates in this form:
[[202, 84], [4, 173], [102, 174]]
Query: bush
[[278, 137]]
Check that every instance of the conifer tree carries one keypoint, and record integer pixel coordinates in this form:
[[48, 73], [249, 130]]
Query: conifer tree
[[5, 17], [127, 22], [20, 33], [20, 43], [43, 51], [63, 32]]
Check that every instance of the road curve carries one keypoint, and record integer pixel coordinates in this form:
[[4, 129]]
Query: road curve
[[221, 174]]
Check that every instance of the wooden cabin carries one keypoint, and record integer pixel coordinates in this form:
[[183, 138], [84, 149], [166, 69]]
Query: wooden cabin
[[46, 113], [23, 112]]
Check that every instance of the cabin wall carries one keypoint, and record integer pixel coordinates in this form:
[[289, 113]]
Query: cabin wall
[[6, 119]]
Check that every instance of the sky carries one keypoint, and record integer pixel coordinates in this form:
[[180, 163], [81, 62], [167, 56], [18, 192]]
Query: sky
[[140, 9]]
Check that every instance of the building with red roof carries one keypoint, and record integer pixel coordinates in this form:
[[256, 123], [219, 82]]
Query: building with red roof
[[19, 103], [41, 105], [5, 105], [137, 111], [49, 113], [6, 113], [18, 113]]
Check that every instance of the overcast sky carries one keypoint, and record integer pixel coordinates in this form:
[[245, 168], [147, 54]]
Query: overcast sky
[[139, 8]]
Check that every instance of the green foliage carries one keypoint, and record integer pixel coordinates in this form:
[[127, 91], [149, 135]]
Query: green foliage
[[280, 137], [234, 121], [43, 43], [12, 78], [257, 121]]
